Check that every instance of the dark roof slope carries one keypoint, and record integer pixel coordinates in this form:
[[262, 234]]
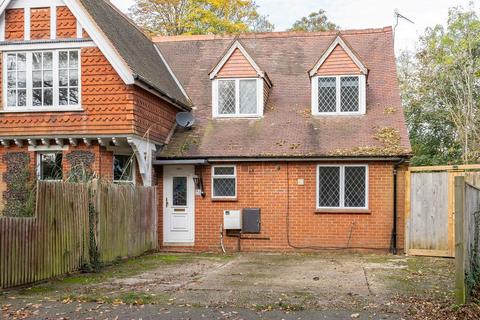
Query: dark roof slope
[[288, 129], [135, 48]]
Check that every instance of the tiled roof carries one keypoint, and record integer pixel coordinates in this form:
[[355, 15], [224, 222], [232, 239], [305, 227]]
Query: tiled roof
[[135, 48], [288, 129]]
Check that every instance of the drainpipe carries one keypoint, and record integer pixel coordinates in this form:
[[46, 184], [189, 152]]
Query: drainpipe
[[393, 246]]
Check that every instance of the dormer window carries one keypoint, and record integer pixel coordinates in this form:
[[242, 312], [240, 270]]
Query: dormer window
[[239, 86], [338, 94], [237, 97], [339, 82]]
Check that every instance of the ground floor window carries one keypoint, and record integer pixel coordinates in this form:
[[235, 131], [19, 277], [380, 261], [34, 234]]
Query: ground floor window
[[342, 186], [49, 166], [123, 168], [224, 182]]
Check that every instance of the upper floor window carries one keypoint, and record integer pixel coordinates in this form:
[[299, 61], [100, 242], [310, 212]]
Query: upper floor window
[[237, 97], [338, 95], [42, 80]]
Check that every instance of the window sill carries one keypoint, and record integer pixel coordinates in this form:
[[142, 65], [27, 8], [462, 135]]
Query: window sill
[[224, 200], [38, 110], [343, 211], [238, 117], [338, 114]]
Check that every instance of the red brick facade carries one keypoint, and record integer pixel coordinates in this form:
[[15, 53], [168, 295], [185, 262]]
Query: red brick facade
[[274, 188]]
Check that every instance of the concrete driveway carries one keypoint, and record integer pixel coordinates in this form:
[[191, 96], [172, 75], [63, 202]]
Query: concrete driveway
[[247, 286]]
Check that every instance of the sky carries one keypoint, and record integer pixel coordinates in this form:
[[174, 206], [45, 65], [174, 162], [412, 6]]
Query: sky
[[355, 14]]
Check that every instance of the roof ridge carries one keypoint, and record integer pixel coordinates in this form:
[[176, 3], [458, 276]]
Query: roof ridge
[[275, 34]]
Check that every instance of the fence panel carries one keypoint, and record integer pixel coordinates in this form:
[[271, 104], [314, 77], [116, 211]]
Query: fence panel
[[50, 244], [467, 229], [127, 220], [56, 241], [427, 223]]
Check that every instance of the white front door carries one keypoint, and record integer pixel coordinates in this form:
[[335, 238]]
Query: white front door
[[178, 205]]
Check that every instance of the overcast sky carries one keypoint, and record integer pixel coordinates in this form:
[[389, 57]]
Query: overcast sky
[[353, 14]]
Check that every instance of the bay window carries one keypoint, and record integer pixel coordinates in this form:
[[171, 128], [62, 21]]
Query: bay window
[[42, 80]]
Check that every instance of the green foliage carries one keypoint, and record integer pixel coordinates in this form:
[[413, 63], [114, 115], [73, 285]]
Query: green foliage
[[177, 17], [440, 90], [20, 193], [315, 21]]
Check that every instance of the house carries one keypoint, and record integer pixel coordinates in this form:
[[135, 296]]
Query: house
[[305, 130]]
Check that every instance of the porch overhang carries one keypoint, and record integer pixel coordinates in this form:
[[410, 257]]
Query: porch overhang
[[143, 149]]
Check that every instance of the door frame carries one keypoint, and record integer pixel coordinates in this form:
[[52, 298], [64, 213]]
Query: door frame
[[168, 173]]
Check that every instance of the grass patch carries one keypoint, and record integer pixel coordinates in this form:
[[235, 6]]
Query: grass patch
[[125, 298]]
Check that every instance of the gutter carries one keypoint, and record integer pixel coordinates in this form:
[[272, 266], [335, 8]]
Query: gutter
[[271, 159], [164, 95], [179, 162]]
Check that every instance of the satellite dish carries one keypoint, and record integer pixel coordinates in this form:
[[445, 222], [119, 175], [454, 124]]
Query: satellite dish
[[185, 119]]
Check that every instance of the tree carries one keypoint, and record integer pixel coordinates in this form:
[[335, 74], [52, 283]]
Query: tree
[[162, 17], [316, 21], [441, 91], [176, 17]]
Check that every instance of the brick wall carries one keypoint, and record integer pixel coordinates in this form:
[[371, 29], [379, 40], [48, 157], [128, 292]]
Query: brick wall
[[274, 188]]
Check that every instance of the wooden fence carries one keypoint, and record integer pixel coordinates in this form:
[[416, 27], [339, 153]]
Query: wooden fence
[[127, 220], [56, 241], [429, 209], [467, 235]]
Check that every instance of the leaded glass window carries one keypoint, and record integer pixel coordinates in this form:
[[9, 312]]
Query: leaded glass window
[[224, 182], [342, 186], [237, 97], [226, 97], [350, 94], [339, 94], [327, 94], [180, 191]]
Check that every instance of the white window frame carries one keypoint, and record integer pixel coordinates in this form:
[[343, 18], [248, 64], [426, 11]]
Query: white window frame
[[214, 176], [362, 99], [56, 105], [125, 154], [215, 95], [342, 186], [39, 164]]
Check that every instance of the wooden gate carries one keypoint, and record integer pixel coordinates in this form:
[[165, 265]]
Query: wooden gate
[[430, 210]]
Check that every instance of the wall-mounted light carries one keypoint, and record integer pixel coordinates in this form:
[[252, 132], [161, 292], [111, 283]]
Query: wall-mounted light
[[199, 190]]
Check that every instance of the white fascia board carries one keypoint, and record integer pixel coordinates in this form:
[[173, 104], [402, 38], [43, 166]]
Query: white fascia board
[[29, 46], [338, 41], [171, 72], [102, 41], [236, 45]]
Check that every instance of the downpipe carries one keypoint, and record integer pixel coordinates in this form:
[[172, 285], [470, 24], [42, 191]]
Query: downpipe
[[393, 242]]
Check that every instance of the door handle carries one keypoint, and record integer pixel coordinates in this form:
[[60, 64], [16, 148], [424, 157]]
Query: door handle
[[166, 204]]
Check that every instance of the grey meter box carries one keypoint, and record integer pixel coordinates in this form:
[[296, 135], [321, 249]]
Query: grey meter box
[[251, 221]]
